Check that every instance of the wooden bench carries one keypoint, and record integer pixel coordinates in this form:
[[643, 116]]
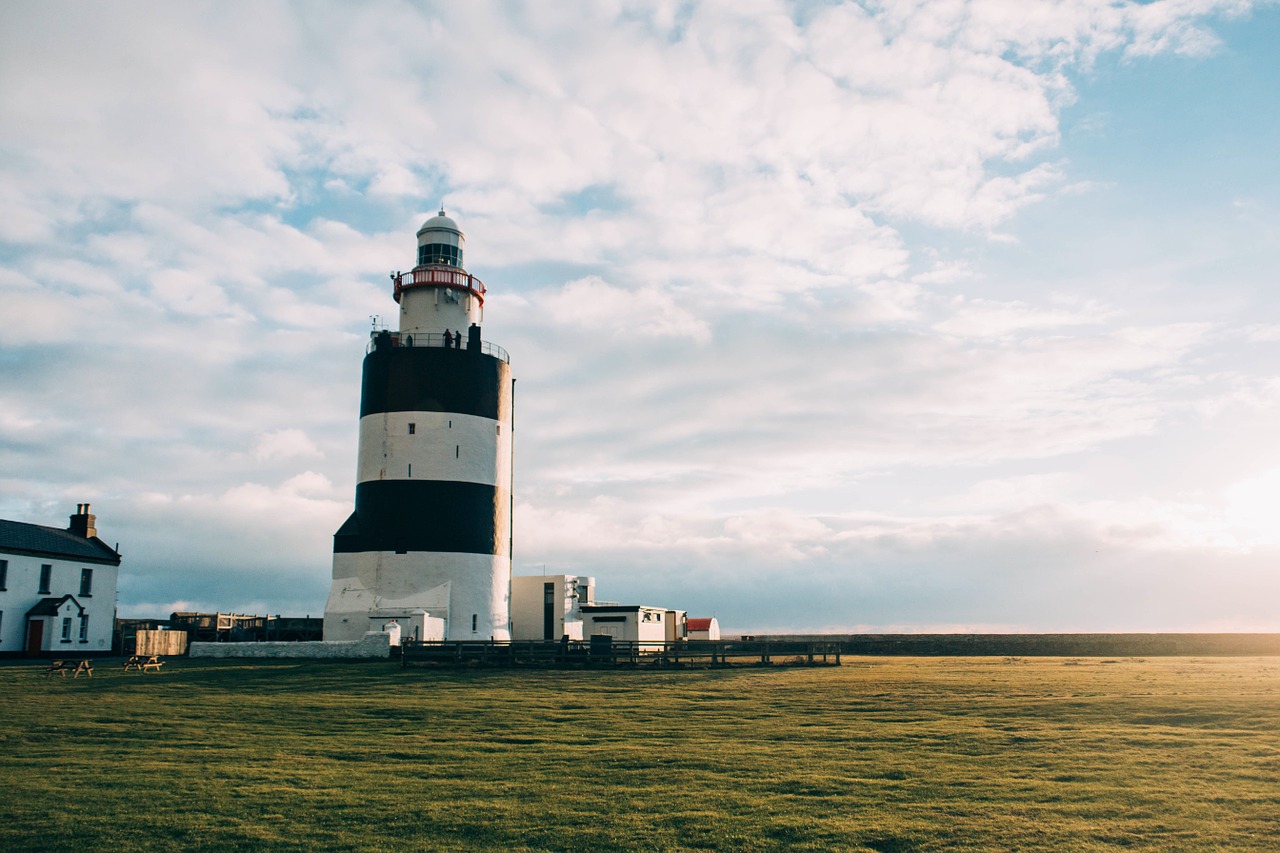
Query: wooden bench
[[143, 663], [58, 666], [84, 667]]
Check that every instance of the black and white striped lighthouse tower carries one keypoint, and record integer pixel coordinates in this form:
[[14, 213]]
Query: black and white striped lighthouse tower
[[429, 543]]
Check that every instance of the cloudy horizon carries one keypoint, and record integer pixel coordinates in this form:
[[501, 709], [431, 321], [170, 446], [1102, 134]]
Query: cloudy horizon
[[824, 316]]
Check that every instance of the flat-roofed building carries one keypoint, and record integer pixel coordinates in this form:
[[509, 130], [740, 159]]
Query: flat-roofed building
[[626, 623], [548, 607]]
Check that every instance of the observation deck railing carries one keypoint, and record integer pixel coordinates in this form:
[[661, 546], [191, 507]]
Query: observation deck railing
[[432, 339], [438, 275]]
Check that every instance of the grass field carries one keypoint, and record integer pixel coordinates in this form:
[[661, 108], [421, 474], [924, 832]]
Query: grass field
[[882, 754]]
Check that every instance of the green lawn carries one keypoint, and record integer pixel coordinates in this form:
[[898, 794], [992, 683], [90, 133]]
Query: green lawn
[[881, 754]]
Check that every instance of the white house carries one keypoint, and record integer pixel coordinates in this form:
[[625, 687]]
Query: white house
[[57, 588]]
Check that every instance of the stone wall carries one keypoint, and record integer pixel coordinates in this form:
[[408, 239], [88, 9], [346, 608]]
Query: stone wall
[[375, 644]]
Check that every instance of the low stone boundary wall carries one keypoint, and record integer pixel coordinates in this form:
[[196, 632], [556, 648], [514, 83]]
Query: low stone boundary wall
[[374, 645], [1050, 645]]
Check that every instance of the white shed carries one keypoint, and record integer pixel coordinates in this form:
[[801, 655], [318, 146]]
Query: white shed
[[704, 628], [627, 623]]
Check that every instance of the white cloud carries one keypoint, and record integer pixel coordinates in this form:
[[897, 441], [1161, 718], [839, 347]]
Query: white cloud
[[595, 305], [747, 260], [984, 318], [285, 444]]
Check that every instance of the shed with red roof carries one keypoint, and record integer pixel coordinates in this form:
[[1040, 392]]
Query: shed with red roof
[[704, 628]]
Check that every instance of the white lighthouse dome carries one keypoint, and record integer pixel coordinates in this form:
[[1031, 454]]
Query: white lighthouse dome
[[440, 222]]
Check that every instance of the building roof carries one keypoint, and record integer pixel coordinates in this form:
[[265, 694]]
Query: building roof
[[18, 537], [700, 623], [51, 606], [440, 222], [600, 607]]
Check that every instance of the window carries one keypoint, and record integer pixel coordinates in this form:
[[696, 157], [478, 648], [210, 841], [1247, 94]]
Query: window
[[440, 253], [412, 428], [4, 574], [86, 582], [475, 618], [1, 625], [411, 470], [457, 451], [46, 577], [66, 629], [84, 628]]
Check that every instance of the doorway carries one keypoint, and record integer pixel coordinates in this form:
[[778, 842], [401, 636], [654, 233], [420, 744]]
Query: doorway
[[35, 636]]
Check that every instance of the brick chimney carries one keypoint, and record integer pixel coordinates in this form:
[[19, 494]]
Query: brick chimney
[[82, 523]]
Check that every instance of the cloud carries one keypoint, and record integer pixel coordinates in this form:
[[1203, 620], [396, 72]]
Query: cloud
[[285, 444], [593, 304], [771, 276], [982, 318]]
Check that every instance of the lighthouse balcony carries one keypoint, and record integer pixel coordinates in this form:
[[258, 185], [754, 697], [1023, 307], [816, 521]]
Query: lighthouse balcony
[[440, 276], [384, 338]]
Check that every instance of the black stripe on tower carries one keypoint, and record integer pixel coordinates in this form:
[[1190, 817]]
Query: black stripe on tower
[[434, 379], [426, 515]]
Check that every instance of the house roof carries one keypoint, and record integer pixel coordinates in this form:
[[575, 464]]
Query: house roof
[[18, 537], [50, 606], [701, 623], [616, 608]]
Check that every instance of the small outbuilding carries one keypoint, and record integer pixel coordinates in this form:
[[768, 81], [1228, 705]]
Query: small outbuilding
[[627, 623], [704, 628], [548, 607]]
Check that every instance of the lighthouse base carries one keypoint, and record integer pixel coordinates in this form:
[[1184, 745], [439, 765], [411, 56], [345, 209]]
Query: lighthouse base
[[431, 595]]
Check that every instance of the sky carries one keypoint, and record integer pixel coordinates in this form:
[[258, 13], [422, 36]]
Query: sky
[[825, 316]]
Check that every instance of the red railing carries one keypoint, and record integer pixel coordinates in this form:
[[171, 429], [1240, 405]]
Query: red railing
[[451, 278]]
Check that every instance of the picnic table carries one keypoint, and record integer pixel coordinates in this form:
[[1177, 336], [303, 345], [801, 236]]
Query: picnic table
[[143, 663], [62, 667]]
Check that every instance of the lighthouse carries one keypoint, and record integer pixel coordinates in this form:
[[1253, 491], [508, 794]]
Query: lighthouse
[[429, 543]]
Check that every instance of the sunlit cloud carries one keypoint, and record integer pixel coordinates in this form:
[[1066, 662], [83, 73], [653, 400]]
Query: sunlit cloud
[[795, 295]]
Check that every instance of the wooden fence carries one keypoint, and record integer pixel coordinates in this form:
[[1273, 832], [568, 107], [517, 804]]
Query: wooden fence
[[607, 652], [160, 643]]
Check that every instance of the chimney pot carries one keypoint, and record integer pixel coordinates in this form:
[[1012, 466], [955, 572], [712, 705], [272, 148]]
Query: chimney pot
[[82, 523]]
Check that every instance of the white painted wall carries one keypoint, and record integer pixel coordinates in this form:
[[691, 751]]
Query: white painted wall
[[454, 587], [375, 644], [711, 633], [22, 592], [645, 625], [430, 309], [417, 625], [443, 446], [570, 591]]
